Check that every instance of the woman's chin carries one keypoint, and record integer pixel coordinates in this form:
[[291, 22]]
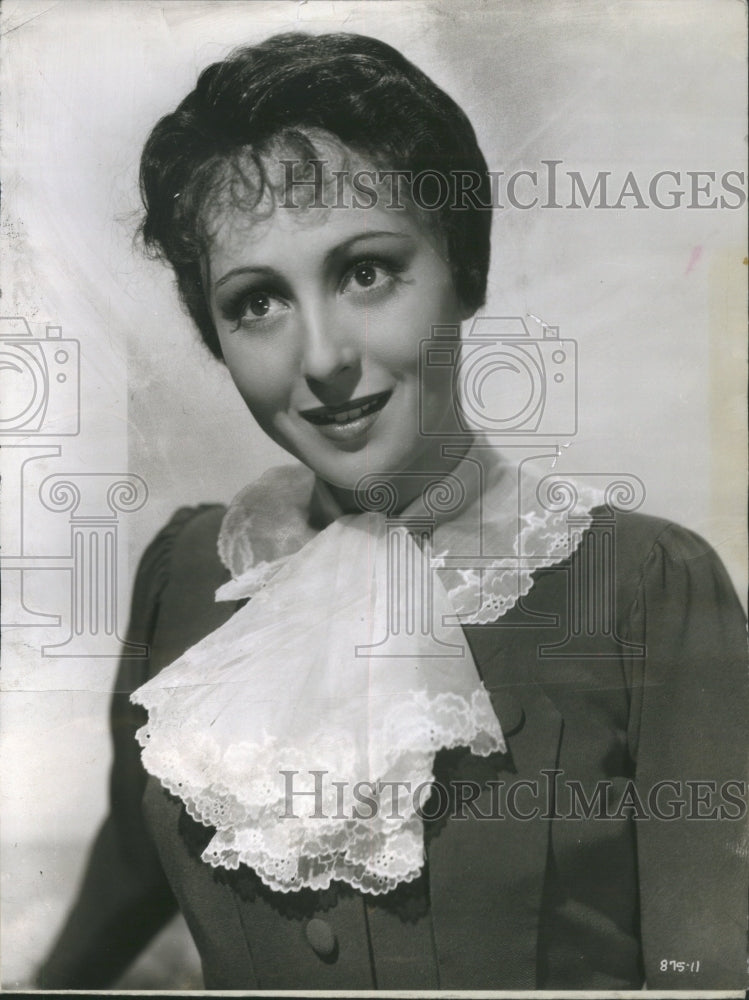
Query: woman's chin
[[363, 470], [357, 468], [346, 454]]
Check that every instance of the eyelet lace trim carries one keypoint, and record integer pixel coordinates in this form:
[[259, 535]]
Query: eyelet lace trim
[[278, 688], [252, 793]]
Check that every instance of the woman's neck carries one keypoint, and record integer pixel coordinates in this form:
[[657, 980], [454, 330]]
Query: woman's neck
[[408, 484]]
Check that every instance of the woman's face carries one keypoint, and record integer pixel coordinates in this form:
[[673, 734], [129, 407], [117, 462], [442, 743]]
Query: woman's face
[[320, 313]]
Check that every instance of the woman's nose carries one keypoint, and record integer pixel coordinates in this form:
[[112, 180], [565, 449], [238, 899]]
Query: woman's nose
[[327, 350]]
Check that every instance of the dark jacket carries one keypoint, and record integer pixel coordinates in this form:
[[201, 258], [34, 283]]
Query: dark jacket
[[624, 667]]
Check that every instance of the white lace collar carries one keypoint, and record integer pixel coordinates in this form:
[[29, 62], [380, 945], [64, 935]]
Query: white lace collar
[[510, 524], [323, 683]]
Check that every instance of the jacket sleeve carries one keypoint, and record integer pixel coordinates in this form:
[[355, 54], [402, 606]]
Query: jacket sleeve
[[124, 899], [690, 706]]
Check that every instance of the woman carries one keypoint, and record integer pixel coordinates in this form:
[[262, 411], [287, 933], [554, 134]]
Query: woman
[[402, 763]]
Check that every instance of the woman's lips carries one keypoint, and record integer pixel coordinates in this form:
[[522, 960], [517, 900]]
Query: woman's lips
[[349, 420]]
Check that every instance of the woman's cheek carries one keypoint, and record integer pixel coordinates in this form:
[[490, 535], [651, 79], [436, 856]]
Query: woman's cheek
[[266, 396], [259, 369], [395, 339]]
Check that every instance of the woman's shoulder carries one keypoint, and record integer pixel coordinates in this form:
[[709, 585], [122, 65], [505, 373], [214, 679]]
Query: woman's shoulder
[[200, 548], [642, 531], [174, 602], [645, 574], [188, 537], [653, 562], [192, 533], [182, 555], [642, 541]]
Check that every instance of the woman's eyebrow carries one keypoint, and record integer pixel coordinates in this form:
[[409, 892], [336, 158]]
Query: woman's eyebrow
[[367, 235], [342, 248], [266, 272], [337, 251]]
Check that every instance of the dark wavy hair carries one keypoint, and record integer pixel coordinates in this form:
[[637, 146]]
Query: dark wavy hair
[[356, 88]]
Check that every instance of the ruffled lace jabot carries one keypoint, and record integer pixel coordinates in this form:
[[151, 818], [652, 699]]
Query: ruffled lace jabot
[[304, 729]]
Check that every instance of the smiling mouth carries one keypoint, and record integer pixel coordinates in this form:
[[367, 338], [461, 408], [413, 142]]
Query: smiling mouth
[[348, 412]]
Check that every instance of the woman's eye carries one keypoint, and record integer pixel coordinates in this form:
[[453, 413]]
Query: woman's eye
[[258, 304], [368, 275], [255, 308], [365, 275]]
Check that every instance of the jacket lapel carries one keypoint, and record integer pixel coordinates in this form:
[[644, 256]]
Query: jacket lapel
[[502, 858]]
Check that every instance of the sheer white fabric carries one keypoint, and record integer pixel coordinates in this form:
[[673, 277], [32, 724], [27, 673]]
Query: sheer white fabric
[[304, 729], [515, 515]]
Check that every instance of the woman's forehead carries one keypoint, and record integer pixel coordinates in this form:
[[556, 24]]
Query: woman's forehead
[[301, 170], [288, 237], [268, 203]]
